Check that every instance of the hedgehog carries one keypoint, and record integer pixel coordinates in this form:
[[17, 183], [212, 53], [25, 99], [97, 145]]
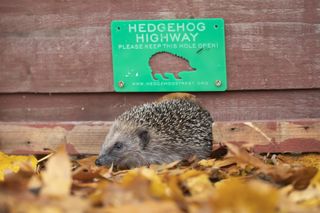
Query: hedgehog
[[162, 62], [164, 131]]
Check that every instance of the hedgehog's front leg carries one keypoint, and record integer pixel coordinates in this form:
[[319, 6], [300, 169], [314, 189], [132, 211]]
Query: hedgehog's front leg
[[176, 75], [164, 77], [154, 76]]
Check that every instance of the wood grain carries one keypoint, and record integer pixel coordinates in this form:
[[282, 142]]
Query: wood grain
[[87, 137], [271, 136], [64, 46], [40, 138], [229, 106]]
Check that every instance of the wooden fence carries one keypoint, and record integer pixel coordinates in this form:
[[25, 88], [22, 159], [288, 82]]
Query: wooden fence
[[55, 59]]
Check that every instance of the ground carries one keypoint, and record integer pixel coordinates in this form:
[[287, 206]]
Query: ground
[[234, 180]]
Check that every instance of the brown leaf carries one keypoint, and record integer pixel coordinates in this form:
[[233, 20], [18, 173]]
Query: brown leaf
[[86, 174], [282, 173], [88, 161], [243, 156], [301, 177], [17, 182], [307, 200], [13, 163], [219, 151]]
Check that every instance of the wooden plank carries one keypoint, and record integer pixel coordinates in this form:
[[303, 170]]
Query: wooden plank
[[271, 136], [40, 138], [229, 106], [87, 137], [64, 46]]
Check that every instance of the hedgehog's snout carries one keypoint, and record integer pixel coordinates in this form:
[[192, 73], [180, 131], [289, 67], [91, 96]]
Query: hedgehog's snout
[[103, 160], [98, 162], [191, 68]]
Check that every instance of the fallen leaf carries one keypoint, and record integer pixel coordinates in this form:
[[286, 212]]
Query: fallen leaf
[[17, 182], [239, 182], [149, 206], [86, 174], [236, 195], [199, 185], [206, 163], [57, 176], [218, 150], [308, 159], [32, 204], [157, 187], [281, 173], [301, 177], [13, 163]]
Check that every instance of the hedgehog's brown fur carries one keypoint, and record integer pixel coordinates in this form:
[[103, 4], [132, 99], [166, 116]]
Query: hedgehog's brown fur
[[159, 132]]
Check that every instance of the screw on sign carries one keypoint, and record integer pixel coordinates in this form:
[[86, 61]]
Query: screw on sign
[[121, 84], [218, 83], [163, 62]]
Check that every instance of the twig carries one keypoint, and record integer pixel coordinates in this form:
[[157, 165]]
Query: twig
[[45, 157], [258, 130]]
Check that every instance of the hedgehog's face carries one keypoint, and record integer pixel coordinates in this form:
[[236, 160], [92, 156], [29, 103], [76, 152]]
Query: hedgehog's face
[[123, 147]]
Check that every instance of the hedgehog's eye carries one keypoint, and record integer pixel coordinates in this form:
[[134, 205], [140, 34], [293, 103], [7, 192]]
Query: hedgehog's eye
[[118, 145]]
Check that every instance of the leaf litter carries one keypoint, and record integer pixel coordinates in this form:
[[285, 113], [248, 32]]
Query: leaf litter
[[239, 181]]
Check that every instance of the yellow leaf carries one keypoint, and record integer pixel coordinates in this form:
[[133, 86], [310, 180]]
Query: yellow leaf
[[13, 163], [57, 176], [235, 195], [157, 187], [206, 163], [316, 180], [39, 204], [190, 173], [150, 206], [199, 185], [217, 163], [307, 159]]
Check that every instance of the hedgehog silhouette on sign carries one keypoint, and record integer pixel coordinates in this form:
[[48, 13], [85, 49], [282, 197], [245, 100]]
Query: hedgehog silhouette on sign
[[162, 62]]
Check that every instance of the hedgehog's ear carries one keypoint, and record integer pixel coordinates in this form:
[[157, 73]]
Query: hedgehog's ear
[[144, 136]]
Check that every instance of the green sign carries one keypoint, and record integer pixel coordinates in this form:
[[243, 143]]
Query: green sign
[[169, 55]]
